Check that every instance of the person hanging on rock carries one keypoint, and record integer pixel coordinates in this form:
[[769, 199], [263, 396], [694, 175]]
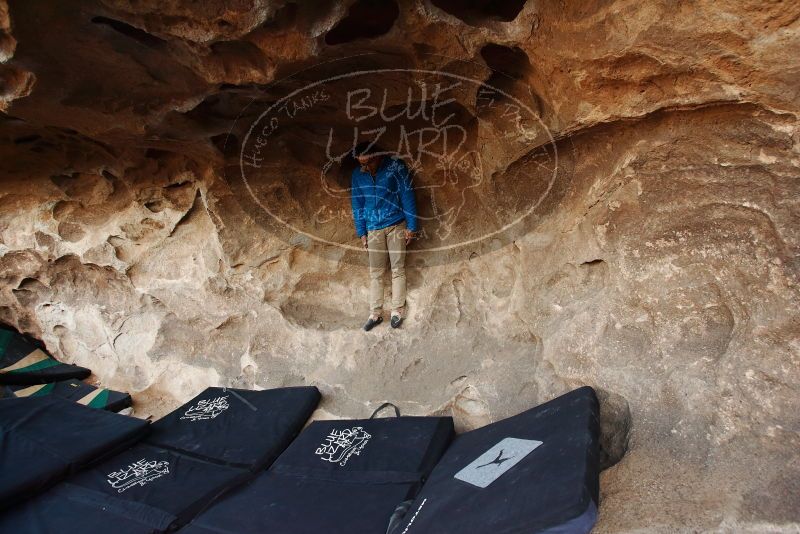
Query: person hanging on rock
[[385, 217]]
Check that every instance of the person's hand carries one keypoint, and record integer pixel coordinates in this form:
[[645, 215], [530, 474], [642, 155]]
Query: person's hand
[[409, 236], [364, 241]]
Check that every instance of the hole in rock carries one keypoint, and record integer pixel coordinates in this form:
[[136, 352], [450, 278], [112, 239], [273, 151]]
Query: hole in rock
[[508, 65], [284, 18], [127, 30], [156, 153], [42, 147], [27, 292], [476, 12], [511, 61], [64, 181], [228, 144], [366, 19], [225, 106], [155, 206], [239, 52], [423, 48], [177, 185], [27, 283], [27, 139]]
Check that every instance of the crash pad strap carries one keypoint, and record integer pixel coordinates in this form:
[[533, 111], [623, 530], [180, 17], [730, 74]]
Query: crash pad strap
[[348, 477], [132, 510], [385, 405]]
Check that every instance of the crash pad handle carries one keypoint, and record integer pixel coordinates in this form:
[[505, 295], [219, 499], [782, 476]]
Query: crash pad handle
[[385, 405]]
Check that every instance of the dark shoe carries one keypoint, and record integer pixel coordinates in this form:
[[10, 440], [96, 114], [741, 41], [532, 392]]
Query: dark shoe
[[396, 320], [371, 323]]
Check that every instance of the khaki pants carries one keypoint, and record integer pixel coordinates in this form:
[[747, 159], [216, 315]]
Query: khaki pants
[[389, 242]]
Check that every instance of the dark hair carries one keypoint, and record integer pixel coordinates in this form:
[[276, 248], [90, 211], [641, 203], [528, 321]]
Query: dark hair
[[366, 148]]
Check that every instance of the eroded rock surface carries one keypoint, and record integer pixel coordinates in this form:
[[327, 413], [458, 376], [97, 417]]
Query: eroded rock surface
[[661, 265]]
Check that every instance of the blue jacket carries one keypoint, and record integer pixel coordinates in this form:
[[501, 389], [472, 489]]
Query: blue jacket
[[385, 200]]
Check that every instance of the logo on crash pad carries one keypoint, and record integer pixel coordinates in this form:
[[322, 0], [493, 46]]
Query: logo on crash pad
[[340, 445], [493, 463], [137, 474], [207, 409]]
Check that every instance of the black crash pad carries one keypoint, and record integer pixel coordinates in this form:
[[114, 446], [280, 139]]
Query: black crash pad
[[499, 479], [237, 427], [336, 477], [192, 456], [68, 509], [43, 439], [146, 489], [173, 486]]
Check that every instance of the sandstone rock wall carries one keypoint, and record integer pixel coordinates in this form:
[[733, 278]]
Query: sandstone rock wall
[[661, 268]]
